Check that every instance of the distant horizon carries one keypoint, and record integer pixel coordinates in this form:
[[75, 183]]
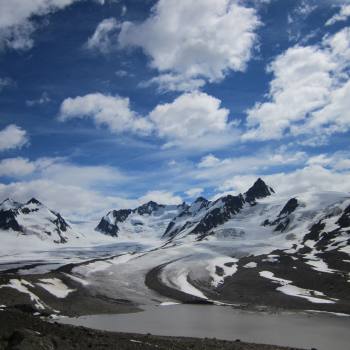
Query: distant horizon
[[111, 104]]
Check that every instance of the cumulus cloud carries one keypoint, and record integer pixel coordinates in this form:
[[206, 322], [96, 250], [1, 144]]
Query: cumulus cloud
[[12, 137], [104, 36], [187, 40], [111, 111], [16, 20], [310, 89], [343, 15], [192, 119], [16, 167]]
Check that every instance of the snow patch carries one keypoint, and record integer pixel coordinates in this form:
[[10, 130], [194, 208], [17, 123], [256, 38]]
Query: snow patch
[[287, 288], [55, 287], [186, 287], [21, 286], [227, 267], [251, 265]]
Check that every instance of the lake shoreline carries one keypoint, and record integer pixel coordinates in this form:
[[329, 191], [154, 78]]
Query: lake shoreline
[[22, 330]]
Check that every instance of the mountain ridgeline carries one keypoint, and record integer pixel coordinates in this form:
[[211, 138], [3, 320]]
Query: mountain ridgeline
[[34, 218], [199, 218]]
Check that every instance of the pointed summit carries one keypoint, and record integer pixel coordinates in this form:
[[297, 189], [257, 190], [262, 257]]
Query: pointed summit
[[148, 208], [200, 199], [34, 201], [9, 204], [258, 190]]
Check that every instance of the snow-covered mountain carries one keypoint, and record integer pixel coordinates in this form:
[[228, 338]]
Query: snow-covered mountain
[[34, 218], [203, 216], [168, 221], [150, 220], [255, 214]]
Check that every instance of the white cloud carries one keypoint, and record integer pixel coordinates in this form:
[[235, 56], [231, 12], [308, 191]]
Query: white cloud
[[297, 20], [43, 99], [310, 88], [338, 161], [16, 167], [215, 170], [172, 82], [111, 111], [86, 176], [123, 73], [194, 39], [12, 137], [75, 190], [192, 119], [194, 192], [309, 178], [160, 197], [343, 15], [5, 82], [209, 161], [77, 202], [104, 36], [17, 23], [62, 172], [72, 201]]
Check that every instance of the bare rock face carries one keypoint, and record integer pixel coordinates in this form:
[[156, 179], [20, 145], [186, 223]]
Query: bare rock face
[[258, 190], [283, 219], [34, 218]]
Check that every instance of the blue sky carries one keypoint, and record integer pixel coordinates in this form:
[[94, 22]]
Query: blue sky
[[107, 103]]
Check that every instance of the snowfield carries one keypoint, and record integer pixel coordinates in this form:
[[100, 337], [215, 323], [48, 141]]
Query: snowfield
[[194, 264]]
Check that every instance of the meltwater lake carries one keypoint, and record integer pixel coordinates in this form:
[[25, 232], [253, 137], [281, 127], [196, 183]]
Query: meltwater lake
[[303, 330]]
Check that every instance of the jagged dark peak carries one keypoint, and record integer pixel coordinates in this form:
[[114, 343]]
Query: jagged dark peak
[[231, 202], [258, 190], [290, 207], [148, 208], [9, 204], [60, 222], [344, 220], [120, 215], [201, 199], [34, 201], [221, 210]]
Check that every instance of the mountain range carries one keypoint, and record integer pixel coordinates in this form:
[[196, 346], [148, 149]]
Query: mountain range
[[200, 219], [254, 214]]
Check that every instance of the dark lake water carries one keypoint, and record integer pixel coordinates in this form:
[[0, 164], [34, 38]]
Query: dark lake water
[[320, 331]]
